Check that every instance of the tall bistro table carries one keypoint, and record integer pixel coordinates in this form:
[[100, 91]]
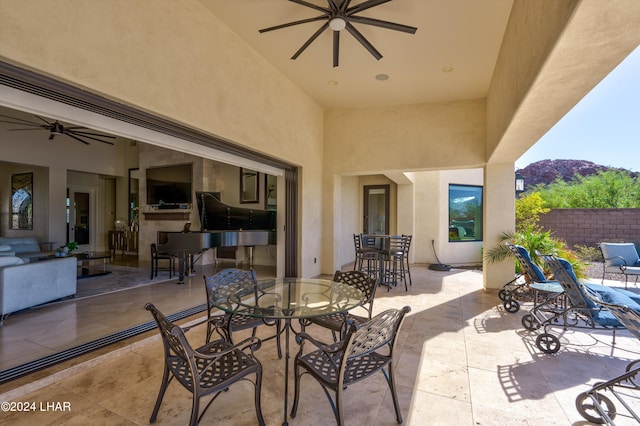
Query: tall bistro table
[[287, 299]]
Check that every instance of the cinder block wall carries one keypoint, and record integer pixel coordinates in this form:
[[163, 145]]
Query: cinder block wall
[[589, 227]]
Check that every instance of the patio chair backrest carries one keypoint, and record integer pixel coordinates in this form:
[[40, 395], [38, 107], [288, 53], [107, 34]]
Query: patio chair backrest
[[564, 274], [363, 282], [619, 254], [223, 284], [173, 339], [531, 269], [379, 331]]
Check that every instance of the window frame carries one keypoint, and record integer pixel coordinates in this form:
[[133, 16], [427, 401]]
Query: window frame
[[477, 222]]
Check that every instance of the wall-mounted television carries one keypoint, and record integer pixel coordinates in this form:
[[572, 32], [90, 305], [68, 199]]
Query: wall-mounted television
[[169, 184]]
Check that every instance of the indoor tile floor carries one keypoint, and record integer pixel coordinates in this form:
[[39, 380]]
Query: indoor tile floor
[[461, 360]]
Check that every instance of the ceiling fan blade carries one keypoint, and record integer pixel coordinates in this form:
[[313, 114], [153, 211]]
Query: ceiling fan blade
[[76, 138], [77, 135], [363, 41], [290, 24], [365, 5], [76, 127], [35, 128], [39, 126], [336, 48], [23, 122], [311, 39], [311, 5], [42, 119], [383, 24], [83, 133], [345, 5], [333, 5]]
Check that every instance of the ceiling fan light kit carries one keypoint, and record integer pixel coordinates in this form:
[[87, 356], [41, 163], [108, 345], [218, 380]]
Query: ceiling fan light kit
[[340, 15]]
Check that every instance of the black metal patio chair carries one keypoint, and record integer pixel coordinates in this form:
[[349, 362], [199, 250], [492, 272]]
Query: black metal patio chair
[[363, 282], [208, 369], [365, 350], [222, 285]]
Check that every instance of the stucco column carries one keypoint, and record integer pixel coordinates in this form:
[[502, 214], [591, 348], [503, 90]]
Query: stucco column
[[499, 217]]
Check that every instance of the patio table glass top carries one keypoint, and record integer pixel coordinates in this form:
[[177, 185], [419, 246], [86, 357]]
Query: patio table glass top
[[287, 298]]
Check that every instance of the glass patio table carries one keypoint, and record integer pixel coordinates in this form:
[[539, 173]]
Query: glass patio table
[[287, 299]]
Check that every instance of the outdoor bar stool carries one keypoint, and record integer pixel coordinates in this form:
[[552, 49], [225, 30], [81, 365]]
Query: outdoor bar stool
[[405, 265], [367, 259], [392, 262]]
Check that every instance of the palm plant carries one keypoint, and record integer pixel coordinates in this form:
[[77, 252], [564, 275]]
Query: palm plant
[[536, 242]]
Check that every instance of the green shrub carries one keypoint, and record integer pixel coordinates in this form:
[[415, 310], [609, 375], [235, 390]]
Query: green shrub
[[536, 242], [588, 254]]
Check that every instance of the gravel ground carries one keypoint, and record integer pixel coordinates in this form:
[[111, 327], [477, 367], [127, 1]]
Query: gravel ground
[[594, 274]]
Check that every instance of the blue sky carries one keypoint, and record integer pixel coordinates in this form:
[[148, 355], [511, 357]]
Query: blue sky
[[603, 128]]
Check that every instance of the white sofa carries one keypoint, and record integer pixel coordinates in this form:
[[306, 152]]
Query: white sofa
[[23, 285], [26, 248]]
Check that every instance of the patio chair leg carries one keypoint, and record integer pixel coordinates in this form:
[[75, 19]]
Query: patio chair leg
[[163, 387]]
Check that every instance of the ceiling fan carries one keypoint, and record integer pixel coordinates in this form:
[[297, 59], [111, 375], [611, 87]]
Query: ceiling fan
[[339, 16], [56, 128]]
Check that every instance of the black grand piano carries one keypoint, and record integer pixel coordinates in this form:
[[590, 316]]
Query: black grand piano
[[222, 226]]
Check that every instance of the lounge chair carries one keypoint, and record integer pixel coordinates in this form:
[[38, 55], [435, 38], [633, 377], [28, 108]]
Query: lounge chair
[[620, 258], [593, 405], [519, 287], [577, 310]]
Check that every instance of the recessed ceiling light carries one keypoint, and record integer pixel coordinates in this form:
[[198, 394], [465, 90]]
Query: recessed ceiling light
[[332, 82], [382, 77], [447, 69]]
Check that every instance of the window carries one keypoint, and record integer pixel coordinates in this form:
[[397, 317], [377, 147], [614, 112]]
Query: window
[[465, 213]]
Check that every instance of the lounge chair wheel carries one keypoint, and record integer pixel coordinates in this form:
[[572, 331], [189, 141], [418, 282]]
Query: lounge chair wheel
[[502, 295], [587, 408], [530, 322], [511, 306], [632, 366], [548, 343]]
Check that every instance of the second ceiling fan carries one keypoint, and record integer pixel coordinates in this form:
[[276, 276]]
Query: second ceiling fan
[[55, 128], [338, 16]]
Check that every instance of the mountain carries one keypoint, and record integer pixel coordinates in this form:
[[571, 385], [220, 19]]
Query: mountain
[[546, 171]]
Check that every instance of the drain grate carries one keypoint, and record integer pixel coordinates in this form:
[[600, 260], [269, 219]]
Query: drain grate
[[67, 354]]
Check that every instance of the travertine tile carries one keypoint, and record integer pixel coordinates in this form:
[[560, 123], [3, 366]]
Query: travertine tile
[[460, 359]]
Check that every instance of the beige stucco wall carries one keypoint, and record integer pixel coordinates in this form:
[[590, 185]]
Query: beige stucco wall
[[181, 63], [401, 138], [553, 54], [184, 64], [405, 138]]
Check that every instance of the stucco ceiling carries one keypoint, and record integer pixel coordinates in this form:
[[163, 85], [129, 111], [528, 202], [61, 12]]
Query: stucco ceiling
[[451, 56]]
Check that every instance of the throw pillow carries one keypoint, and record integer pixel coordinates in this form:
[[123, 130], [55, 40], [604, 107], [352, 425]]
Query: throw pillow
[[10, 261]]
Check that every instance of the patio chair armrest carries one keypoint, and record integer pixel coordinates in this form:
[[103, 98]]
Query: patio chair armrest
[[250, 342], [329, 348], [624, 261], [253, 343]]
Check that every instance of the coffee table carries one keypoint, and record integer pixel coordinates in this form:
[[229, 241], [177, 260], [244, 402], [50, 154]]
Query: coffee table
[[92, 264]]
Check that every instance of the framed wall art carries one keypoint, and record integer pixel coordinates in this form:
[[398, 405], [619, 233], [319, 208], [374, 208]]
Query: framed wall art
[[22, 201]]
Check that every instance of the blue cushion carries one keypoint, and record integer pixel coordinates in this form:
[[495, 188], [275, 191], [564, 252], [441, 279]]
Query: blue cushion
[[599, 288], [618, 298], [569, 268], [606, 319], [525, 254]]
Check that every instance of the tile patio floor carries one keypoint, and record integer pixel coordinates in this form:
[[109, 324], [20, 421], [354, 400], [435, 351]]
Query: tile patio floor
[[462, 360]]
